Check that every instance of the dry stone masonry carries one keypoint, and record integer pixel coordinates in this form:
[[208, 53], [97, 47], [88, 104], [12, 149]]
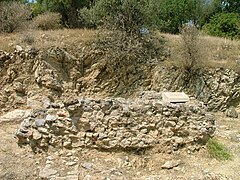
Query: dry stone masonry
[[118, 123]]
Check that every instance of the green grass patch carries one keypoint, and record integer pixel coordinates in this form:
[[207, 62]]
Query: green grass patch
[[217, 150]]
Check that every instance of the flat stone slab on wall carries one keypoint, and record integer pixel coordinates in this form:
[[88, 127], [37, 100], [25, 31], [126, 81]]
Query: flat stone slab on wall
[[174, 97], [118, 123]]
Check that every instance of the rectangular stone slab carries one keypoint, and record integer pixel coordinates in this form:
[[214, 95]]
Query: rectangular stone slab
[[174, 97]]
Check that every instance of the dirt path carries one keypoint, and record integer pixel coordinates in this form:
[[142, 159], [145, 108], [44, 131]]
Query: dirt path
[[21, 163]]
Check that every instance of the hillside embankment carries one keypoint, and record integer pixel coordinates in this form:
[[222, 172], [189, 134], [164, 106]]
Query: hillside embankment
[[85, 116]]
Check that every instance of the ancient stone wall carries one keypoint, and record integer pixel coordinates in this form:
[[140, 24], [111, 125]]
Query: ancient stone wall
[[118, 123]]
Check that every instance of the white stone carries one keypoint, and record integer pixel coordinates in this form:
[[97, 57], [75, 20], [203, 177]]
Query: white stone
[[71, 163], [47, 172], [171, 164], [18, 48], [174, 97], [16, 115]]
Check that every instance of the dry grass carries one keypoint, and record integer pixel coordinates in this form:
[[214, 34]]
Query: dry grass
[[72, 39], [218, 52]]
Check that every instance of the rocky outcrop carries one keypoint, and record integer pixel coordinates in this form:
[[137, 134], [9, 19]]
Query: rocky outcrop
[[118, 124], [32, 77], [29, 75], [219, 89]]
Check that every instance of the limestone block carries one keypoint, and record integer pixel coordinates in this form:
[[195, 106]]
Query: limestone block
[[174, 97]]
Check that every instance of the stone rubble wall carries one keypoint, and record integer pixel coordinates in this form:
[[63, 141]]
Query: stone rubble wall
[[117, 123]]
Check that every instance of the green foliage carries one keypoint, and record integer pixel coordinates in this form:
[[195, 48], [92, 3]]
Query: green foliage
[[13, 16], [215, 7], [217, 150], [124, 15], [224, 25], [67, 8], [176, 13], [47, 21], [231, 6]]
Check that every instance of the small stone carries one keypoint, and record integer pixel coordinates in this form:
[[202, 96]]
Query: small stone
[[50, 158], [87, 165], [72, 177], [67, 144], [144, 131], [18, 48], [43, 130], [100, 115], [71, 163], [51, 117], [170, 124], [47, 173], [231, 112], [87, 177], [179, 140], [46, 102], [36, 135], [39, 122], [171, 164], [63, 113], [89, 134]]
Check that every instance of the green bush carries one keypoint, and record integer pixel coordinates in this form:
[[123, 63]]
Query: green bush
[[224, 25], [13, 16], [217, 150], [47, 21], [124, 15]]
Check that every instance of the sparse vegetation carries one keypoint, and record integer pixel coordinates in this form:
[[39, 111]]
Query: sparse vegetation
[[13, 16], [124, 48], [217, 150]]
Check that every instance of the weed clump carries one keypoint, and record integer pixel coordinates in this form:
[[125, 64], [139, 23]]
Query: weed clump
[[217, 150]]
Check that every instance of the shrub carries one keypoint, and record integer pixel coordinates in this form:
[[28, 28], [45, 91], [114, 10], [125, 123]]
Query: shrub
[[47, 21], [217, 150], [128, 15], [13, 16], [191, 50], [224, 25]]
